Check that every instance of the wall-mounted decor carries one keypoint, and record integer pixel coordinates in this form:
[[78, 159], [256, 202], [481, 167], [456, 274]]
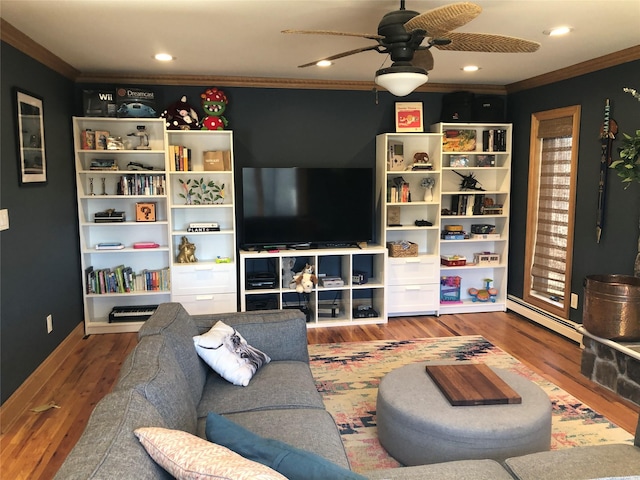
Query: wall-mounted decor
[[409, 117], [32, 166]]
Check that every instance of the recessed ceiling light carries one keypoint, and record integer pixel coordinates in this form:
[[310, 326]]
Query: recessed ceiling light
[[324, 63], [557, 31], [163, 57], [471, 68]]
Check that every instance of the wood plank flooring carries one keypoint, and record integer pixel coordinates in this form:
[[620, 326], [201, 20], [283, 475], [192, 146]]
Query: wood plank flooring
[[36, 444]]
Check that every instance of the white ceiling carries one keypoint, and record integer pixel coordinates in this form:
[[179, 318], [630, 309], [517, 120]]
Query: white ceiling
[[242, 37]]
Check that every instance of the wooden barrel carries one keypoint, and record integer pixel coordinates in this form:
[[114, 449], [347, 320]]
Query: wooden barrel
[[612, 307]]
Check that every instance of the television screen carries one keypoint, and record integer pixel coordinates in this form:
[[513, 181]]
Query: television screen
[[297, 205]]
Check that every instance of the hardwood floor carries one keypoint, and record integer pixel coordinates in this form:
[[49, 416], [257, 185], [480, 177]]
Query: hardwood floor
[[36, 444]]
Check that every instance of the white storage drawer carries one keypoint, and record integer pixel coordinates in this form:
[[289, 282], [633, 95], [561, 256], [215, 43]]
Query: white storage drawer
[[413, 270], [204, 278], [413, 298], [208, 303]]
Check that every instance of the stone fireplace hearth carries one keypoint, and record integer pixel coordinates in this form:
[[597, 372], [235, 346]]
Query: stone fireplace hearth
[[613, 365]]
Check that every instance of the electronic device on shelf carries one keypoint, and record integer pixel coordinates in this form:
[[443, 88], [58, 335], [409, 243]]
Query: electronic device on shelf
[[364, 311], [268, 215], [134, 313], [261, 280]]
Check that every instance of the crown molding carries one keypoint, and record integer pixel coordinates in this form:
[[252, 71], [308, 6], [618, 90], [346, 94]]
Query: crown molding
[[616, 58], [271, 82], [14, 37]]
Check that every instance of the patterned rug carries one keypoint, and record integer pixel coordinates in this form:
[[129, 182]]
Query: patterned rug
[[347, 376]]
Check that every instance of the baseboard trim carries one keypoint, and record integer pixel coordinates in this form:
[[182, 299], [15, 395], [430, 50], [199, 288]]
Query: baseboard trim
[[15, 405], [566, 328]]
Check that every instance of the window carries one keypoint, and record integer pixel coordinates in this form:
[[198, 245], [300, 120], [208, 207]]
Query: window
[[551, 205]]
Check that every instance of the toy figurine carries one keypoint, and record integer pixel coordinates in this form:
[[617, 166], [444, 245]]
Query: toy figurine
[[187, 252]]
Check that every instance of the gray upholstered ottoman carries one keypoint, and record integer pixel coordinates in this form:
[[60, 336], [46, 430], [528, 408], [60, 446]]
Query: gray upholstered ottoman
[[417, 425]]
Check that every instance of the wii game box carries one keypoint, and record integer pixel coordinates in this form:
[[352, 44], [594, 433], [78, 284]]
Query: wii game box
[[99, 103], [135, 103]]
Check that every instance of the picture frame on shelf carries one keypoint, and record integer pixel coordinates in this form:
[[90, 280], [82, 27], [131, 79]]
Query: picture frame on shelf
[[32, 167], [145, 212], [409, 117]]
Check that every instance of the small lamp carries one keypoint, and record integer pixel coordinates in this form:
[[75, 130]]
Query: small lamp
[[401, 80]]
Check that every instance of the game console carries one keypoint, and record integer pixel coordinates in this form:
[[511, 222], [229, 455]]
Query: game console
[[261, 280], [364, 311]]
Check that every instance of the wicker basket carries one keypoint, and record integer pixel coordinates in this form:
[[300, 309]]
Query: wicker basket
[[397, 249]]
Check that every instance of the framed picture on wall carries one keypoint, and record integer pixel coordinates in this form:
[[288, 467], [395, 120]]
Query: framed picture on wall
[[409, 117], [32, 160]]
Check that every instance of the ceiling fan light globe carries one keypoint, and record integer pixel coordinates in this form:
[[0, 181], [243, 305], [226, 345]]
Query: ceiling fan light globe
[[400, 83]]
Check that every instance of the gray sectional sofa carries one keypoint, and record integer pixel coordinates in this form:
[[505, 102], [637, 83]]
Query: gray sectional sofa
[[164, 383]]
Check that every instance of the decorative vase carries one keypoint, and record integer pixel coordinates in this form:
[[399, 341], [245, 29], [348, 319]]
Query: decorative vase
[[428, 194]]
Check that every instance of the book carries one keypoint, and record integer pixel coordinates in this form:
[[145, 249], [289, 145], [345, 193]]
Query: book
[[109, 246]]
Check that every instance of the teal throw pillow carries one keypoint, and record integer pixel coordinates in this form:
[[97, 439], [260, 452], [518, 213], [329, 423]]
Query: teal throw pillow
[[293, 463]]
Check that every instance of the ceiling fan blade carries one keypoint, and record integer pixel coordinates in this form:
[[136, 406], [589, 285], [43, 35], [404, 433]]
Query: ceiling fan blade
[[438, 21], [340, 55], [423, 59], [331, 32], [487, 42]]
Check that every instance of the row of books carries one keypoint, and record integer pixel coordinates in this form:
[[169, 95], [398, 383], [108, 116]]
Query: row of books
[[181, 157], [142, 184], [399, 193], [494, 140], [122, 279]]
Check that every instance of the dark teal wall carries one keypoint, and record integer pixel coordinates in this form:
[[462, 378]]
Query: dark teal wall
[[40, 267], [616, 252]]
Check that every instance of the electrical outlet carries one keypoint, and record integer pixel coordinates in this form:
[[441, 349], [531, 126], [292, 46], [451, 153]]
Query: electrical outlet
[[49, 323], [574, 300]]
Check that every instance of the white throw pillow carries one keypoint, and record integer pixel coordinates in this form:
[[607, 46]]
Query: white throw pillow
[[188, 457], [228, 353]]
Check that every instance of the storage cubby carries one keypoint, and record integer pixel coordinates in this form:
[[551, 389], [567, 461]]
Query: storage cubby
[[357, 280]]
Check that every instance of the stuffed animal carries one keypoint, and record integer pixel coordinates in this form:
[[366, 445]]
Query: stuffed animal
[[306, 280], [287, 272], [214, 103], [181, 116]]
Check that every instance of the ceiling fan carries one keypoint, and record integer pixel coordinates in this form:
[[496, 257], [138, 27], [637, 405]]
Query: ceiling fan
[[401, 34]]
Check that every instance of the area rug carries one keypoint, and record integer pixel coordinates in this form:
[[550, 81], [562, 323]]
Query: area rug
[[348, 374]]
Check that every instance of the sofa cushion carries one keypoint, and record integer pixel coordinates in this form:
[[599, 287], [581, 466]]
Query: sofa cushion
[[173, 322], [295, 388], [458, 470], [229, 354], [310, 429], [615, 460], [187, 456], [281, 334], [152, 370], [108, 448], [292, 462]]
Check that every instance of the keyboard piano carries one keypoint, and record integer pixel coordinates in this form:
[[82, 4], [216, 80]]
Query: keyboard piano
[[133, 313]]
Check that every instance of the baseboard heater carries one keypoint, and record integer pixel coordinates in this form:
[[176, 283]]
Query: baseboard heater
[[559, 325]]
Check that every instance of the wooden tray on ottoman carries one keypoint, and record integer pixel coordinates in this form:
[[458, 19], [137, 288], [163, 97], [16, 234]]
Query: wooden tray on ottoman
[[472, 384]]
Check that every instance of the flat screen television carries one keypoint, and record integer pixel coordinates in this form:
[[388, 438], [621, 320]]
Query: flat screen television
[[299, 206]]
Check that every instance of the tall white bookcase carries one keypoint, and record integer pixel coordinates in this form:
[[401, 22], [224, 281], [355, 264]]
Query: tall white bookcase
[[209, 285], [121, 190], [488, 160], [414, 282]]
